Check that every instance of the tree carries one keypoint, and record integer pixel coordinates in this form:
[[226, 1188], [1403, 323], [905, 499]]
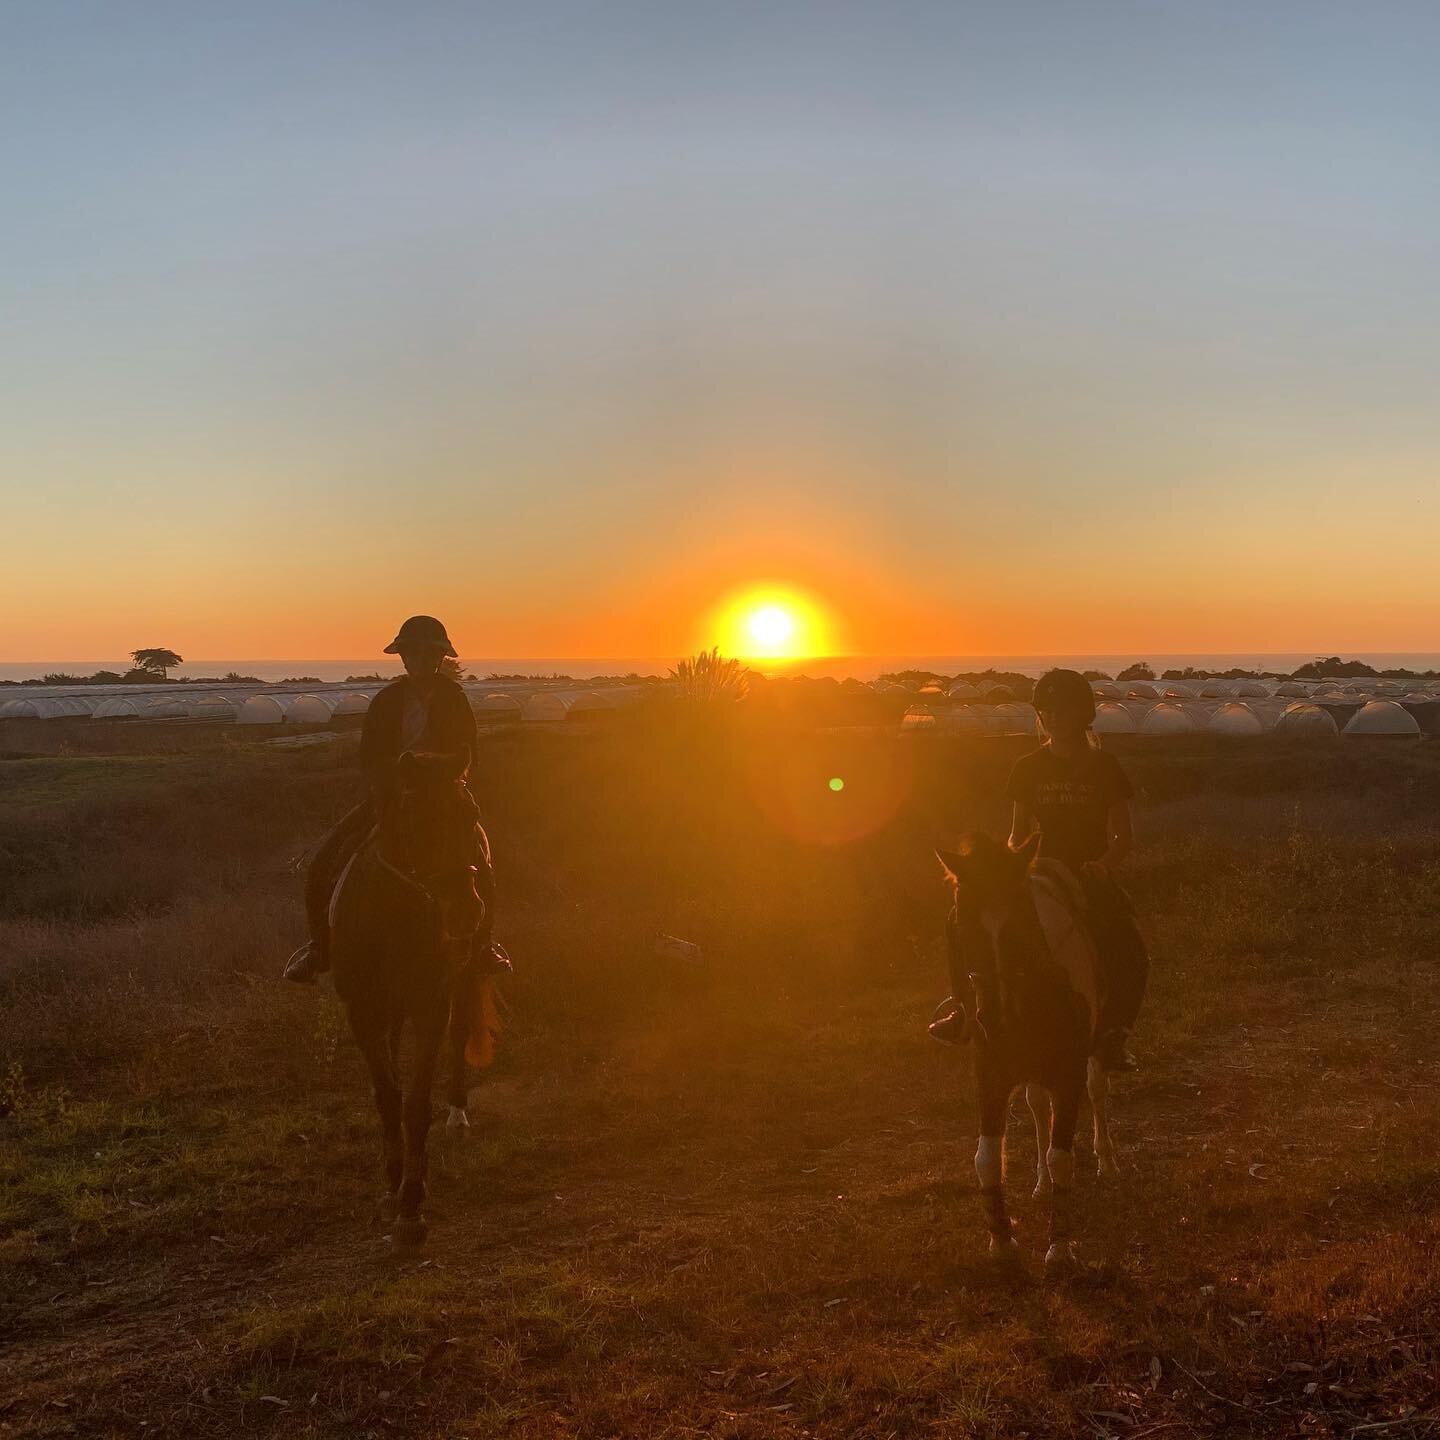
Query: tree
[[707, 678], [156, 661], [1333, 668], [1138, 671]]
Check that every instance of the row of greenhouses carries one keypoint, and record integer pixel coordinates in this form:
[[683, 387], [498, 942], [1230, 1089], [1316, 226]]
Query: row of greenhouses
[[316, 705], [1413, 718]]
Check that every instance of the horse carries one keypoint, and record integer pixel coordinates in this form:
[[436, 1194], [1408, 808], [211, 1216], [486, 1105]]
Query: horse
[[1037, 1013], [406, 922]]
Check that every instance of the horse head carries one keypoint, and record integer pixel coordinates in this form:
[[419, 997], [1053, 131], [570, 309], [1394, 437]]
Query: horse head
[[988, 877], [427, 836]]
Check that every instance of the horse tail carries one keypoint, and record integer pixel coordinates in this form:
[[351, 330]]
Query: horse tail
[[483, 1032]]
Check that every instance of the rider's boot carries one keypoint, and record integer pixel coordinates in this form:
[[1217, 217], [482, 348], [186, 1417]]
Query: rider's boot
[[307, 963], [952, 1029]]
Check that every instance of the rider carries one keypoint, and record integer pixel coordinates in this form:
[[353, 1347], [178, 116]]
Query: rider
[[423, 711], [1078, 798]]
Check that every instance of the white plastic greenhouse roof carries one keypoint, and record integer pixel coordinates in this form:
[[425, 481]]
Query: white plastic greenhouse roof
[[1382, 717]]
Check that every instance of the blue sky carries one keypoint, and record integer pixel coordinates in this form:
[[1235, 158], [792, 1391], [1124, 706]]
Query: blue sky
[[566, 319]]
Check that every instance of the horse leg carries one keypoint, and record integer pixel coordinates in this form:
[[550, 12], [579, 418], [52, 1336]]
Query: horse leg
[[410, 1228], [1060, 1160], [1097, 1082], [1038, 1098], [989, 1164], [375, 1047], [466, 998], [457, 1119]]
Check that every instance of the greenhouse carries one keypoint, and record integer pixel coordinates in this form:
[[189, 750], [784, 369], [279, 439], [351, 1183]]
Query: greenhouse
[[1167, 720], [1236, 719], [1307, 720], [1112, 719], [1383, 717]]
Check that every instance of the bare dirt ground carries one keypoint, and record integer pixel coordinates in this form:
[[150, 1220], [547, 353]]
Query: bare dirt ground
[[737, 1203]]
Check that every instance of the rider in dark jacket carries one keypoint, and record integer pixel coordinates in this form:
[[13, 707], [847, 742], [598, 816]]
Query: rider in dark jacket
[[422, 711]]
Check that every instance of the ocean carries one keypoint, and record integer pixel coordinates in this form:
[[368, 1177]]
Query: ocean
[[860, 667]]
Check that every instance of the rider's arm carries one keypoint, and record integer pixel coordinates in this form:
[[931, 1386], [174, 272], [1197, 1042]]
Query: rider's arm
[[1022, 824], [377, 757]]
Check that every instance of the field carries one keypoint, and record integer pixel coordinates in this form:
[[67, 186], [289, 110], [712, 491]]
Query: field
[[726, 1199]]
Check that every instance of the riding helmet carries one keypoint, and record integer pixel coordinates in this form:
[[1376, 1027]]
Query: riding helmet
[[1068, 688], [421, 630]]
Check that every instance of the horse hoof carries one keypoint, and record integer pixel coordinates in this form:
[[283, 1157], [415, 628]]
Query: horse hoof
[[385, 1210], [408, 1235], [1042, 1190], [1107, 1172], [1059, 1262], [457, 1123]]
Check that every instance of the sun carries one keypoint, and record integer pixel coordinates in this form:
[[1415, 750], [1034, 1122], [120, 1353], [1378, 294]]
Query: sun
[[770, 628], [769, 622]]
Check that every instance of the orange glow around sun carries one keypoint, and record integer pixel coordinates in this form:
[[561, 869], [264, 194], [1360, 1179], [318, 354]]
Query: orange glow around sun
[[770, 622]]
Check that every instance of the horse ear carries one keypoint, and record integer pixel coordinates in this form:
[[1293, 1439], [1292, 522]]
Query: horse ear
[[1025, 855], [950, 862]]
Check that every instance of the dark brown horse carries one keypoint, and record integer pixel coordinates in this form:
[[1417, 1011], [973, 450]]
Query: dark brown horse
[[406, 921], [1020, 923]]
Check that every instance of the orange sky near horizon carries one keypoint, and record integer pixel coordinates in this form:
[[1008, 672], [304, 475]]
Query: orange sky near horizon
[[1021, 329]]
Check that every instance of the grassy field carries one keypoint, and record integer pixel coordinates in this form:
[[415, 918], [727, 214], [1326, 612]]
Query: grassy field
[[734, 1199]]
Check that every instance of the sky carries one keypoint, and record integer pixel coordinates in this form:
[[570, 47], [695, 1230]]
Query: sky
[[1022, 327]]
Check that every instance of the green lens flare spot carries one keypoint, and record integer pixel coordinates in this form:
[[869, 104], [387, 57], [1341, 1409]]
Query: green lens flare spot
[[837, 784]]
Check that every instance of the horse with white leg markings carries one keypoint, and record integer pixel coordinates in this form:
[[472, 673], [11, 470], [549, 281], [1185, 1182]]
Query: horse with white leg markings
[[1020, 923]]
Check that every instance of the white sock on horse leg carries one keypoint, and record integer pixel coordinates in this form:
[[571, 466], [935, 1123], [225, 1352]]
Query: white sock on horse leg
[[1038, 1098]]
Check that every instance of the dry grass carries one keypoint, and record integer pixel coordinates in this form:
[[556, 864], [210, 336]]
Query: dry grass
[[729, 1203]]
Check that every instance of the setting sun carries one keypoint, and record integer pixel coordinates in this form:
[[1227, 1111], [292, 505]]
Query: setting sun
[[770, 623], [770, 627]]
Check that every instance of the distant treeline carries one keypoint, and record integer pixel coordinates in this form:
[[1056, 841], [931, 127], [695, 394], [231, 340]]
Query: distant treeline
[[140, 677], [1331, 668]]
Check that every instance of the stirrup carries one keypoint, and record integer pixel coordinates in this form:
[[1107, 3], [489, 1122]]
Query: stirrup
[[494, 960], [300, 967]]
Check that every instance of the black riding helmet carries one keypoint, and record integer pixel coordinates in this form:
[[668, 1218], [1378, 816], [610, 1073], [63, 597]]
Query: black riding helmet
[[421, 630], [1066, 688]]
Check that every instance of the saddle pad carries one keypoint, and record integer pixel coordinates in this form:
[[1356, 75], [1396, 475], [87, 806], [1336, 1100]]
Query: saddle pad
[[1068, 939]]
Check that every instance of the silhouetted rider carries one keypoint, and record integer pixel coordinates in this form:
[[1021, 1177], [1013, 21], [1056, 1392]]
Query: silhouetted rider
[[422, 711]]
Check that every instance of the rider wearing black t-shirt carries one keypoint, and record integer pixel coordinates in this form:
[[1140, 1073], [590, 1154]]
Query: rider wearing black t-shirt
[[1078, 798]]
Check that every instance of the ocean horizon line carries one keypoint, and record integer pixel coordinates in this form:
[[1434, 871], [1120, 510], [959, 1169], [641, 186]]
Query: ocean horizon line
[[857, 666]]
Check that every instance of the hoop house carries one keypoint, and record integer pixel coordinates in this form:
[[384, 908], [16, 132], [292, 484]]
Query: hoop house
[[1167, 720], [1384, 717], [1112, 719]]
